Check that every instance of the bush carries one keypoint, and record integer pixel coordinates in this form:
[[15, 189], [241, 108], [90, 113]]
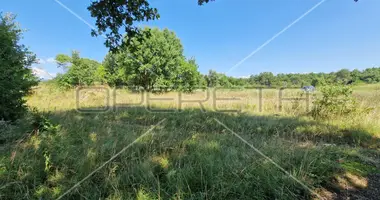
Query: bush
[[16, 78], [40, 122], [336, 101], [34, 122]]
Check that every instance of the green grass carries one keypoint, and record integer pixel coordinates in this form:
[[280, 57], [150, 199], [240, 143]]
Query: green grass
[[189, 156]]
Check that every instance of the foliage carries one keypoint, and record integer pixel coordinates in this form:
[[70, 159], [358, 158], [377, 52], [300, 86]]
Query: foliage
[[40, 122], [112, 15], [215, 79], [113, 75], [265, 78], [343, 76], [336, 101], [155, 63], [16, 78], [298, 80], [188, 77], [212, 79], [143, 64], [79, 71]]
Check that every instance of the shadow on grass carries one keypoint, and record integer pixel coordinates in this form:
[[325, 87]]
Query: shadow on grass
[[190, 156]]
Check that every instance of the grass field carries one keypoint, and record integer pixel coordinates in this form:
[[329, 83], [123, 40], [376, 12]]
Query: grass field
[[194, 153]]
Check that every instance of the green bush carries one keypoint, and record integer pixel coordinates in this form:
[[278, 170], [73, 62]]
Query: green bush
[[40, 122], [16, 78], [336, 101]]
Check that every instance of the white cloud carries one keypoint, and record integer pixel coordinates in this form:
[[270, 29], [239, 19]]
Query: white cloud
[[50, 60], [41, 73], [242, 76], [45, 61]]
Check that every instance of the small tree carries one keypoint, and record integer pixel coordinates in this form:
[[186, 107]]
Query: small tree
[[212, 78], [154, 63], [266, 78], [336, 101], [343, 76], [79, 71], [113, 74], [16, 78], [318, 82]]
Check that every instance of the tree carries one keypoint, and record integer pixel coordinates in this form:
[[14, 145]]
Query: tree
[[343, 75], [356, 75], [224, 81], [317, 82], [114, 75], [154, 63], [266, 78], [212, 79], [16, 78], [188, 76], [80, 71], [111, 15]]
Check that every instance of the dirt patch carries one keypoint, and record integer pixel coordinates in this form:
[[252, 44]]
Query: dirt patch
[[372, 191]]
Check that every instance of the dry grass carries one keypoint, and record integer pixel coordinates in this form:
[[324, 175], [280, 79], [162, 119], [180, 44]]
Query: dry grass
[[190, 156]]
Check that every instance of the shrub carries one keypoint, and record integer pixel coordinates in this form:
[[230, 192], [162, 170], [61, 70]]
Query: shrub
[[335, 101], [16, 78], [40, 122]]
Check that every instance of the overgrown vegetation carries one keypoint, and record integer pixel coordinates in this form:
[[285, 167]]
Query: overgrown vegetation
[[335, 102], [157, 63], [194, 153], [190, 155]]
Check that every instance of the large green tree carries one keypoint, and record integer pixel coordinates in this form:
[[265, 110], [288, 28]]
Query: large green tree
[[16, 78], [154, 63]]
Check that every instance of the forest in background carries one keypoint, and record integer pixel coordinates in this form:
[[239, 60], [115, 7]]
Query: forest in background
[[158, 62]]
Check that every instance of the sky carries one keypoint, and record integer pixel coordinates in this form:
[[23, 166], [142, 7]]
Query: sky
[[337, 34]]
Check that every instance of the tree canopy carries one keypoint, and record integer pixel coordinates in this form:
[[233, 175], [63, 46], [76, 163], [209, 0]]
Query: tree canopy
[[156, 62]]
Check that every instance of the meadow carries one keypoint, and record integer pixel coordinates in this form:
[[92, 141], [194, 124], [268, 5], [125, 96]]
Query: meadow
[[192, 150]]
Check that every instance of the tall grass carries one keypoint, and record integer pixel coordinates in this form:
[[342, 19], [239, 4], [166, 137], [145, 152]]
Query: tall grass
[[190, 155]]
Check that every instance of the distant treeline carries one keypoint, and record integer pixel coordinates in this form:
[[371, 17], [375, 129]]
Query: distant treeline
[[156, 61], [268, 79]]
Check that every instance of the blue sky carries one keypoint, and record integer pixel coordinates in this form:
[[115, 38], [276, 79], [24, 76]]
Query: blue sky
[[338, 34]]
